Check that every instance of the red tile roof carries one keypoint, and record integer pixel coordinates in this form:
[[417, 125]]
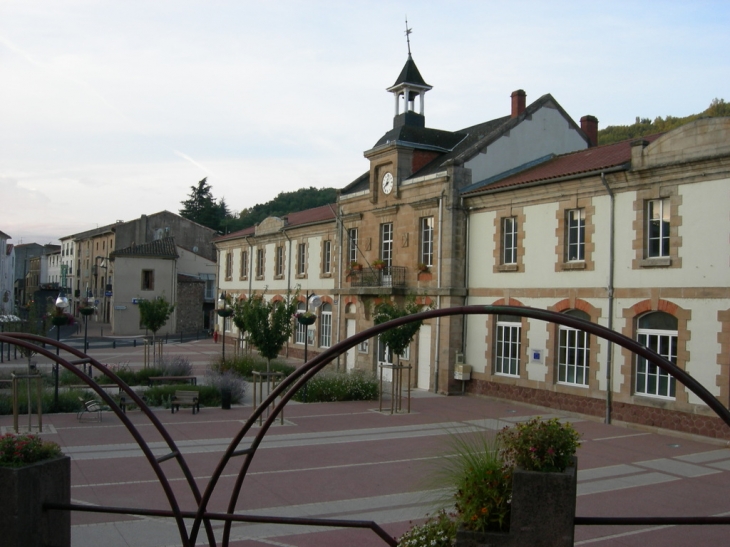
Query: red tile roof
[[322, 213], [575, 163]]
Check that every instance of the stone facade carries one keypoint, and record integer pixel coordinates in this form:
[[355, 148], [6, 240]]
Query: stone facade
[[190, 297]]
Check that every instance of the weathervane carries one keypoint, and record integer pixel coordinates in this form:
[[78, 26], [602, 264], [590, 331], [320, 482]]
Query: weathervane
[[408, 39]]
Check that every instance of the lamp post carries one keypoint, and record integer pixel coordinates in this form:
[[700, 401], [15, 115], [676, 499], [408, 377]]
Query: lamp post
[[59, 319], [224, 311], [307, 319]]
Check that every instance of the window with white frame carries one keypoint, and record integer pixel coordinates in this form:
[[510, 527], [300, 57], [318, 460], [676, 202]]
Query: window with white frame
[[301, 331], [364, 346], [657, 228], [301, 258], [386, 243], [326, 256], [427, 241], [384, 353], [576, 239], [325, 326], [259, 263], [352, 245], [280, 260], [243, 274], [507, 354], [658, 332], [573, 352], [509, 240]]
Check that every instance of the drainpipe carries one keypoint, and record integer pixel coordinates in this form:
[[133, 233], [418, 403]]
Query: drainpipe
[[340, 244], [438, 296], [611, 265], [250, 265], [467, 220], [288, 276]]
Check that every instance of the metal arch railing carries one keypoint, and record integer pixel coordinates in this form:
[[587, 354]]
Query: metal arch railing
[[297, 379], [27, 341]]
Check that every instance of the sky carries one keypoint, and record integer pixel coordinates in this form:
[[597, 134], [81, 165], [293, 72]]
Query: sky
[[114, 109]]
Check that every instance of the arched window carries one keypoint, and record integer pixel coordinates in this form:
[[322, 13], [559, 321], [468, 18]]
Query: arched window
[[509, 329], [573, 352], [325, 326], [301, 332], [658, 332]]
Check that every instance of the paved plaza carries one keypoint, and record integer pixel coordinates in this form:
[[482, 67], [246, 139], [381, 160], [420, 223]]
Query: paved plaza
[[349, 461]]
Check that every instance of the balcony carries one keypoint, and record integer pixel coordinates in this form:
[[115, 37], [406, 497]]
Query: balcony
[[389, 276]]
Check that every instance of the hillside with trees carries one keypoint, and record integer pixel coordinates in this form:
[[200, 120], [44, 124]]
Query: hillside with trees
[[644, 126], [202, 207]]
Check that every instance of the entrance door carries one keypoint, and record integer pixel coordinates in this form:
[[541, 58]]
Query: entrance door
[[385, 358], [424, 357], [350, 356]]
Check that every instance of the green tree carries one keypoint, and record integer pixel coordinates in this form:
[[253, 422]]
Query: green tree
[[398, 338], [153, 314], [270, 324], [201, 207], [241, 316]]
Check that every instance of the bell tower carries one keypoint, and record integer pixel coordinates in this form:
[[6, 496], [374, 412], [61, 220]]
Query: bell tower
[[407, 89]]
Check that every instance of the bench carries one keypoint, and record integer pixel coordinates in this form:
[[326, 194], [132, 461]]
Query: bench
[[193, 380], [91, 407], [185, 398]]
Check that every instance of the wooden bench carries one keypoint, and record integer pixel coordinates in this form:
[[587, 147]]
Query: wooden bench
[[193, 380], [91, 407], [185, 398]]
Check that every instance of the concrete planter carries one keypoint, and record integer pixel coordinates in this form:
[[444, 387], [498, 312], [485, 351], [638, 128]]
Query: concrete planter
[[543, 510], [23, 523]]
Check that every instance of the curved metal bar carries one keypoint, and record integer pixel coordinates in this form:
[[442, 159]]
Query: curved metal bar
[[297, 379], [25, 340]]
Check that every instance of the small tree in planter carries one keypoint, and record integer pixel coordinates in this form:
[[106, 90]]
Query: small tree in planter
[[398, 338], [153, 314], [33, 472], [270, 324]]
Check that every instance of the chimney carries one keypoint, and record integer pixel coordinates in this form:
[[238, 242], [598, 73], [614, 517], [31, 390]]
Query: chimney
[[589, 125], [518, 102]]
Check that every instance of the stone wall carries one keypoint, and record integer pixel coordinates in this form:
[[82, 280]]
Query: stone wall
[[189, 306]]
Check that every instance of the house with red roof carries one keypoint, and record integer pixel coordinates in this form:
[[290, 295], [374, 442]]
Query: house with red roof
[[634, 236]]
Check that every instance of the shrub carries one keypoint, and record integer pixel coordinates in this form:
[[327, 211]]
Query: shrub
[[20, 450], [481, 483], [330, 386], [245, 365], [540, 445], [227, 381], [68, 401], [177, 365], [437, 531]]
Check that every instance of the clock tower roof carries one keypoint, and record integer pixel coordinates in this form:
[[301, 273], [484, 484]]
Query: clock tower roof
[[410, 75]]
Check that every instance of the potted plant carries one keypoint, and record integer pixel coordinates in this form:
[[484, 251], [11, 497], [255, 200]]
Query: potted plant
[[33, 472], [541, 457], [355, 266], [422, 267], [378, 264], [306, 317], [86, 310]]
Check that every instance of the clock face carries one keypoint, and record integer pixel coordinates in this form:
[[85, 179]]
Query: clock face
[[387, 183]]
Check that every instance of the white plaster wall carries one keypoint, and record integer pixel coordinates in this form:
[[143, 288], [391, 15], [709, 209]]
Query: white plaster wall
[[703, 346], [481, 248], [547, 132], [192, 264]]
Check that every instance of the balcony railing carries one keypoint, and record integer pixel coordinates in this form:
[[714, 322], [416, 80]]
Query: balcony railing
[[392, 276]]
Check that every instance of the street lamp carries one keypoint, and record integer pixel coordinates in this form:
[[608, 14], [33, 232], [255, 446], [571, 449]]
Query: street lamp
[[224, 311], [308, 318], [58, 320]]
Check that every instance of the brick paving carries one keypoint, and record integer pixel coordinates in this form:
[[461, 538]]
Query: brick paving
[[346, 460]]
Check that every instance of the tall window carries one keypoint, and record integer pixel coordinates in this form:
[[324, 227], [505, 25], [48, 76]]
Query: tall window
[[427, 241], [576, 234], [386, 243], [657, 229], [244, 265], [148, 280], [280, 260], [301, 332], [658, 332], [509, 328], [509, 240], [259, 263], [352, 245], [327, 256], [325, 326], [229, 265], [573, 353], [301, 258]]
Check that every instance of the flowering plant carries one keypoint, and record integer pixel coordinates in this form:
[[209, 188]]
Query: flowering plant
[[539, 445], [438, 531], [304, 315], [20, 450]]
